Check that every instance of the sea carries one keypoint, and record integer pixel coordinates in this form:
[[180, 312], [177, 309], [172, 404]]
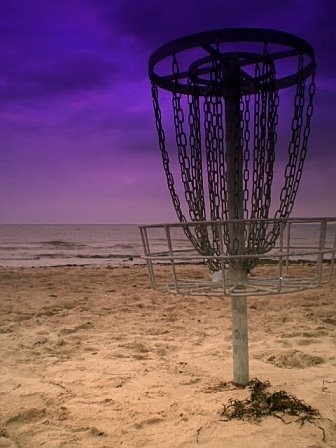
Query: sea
[[35, 245]]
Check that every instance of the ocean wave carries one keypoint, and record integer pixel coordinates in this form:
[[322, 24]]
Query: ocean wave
[[12, 248], [81, 256], [54, 255], [109, 256], [63, 244], [123, 246]]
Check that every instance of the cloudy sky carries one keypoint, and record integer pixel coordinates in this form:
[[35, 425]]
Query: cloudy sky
[[78, 142]]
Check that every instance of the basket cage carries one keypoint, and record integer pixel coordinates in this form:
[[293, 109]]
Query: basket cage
[[302, 257]]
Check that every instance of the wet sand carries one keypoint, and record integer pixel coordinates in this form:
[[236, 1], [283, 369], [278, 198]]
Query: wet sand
[[92, 357]]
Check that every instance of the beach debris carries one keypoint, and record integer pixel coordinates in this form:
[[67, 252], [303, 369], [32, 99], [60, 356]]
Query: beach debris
[[262, 404], [96, 432]]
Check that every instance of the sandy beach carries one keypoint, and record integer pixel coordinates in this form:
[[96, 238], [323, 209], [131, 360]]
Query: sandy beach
[[92, 357]]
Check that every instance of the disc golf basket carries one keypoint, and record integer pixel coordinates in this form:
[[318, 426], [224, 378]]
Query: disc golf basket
[[217, 118]]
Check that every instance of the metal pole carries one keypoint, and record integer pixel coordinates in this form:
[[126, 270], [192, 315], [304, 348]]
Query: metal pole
[[235, 190], [240, 340], [145, 243]]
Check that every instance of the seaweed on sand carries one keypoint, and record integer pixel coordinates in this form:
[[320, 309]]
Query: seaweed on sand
[[261, 404]]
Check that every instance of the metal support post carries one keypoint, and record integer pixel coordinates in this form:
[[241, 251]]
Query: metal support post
[[238, 275]]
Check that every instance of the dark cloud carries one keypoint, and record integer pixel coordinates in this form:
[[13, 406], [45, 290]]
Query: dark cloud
[[51, 48], [82, 72], [155, 22], [75, 97], [106, 120]]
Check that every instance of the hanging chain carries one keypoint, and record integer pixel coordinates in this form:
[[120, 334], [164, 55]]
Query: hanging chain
[[197, 212], [270, 117], [269, 240], [214, 145], [296, 151], [211, 126], [191, 167], [195, 142], [245, 107], [164, 153], [260, 121], [181, 141], [166, 166], [260, 238]]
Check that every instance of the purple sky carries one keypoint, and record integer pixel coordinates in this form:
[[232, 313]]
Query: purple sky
[[78, 139]]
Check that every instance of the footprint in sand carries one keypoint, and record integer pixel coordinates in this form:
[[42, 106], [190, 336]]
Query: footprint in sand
[[7, 443], [27, 416], [85, 326], [148, 421], [20, 317], [293, 359]]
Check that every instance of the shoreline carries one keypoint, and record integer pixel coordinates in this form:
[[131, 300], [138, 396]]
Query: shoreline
[[141, 261], [91, 356]]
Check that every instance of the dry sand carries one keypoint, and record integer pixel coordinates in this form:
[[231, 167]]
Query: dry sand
[[91, 357]]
